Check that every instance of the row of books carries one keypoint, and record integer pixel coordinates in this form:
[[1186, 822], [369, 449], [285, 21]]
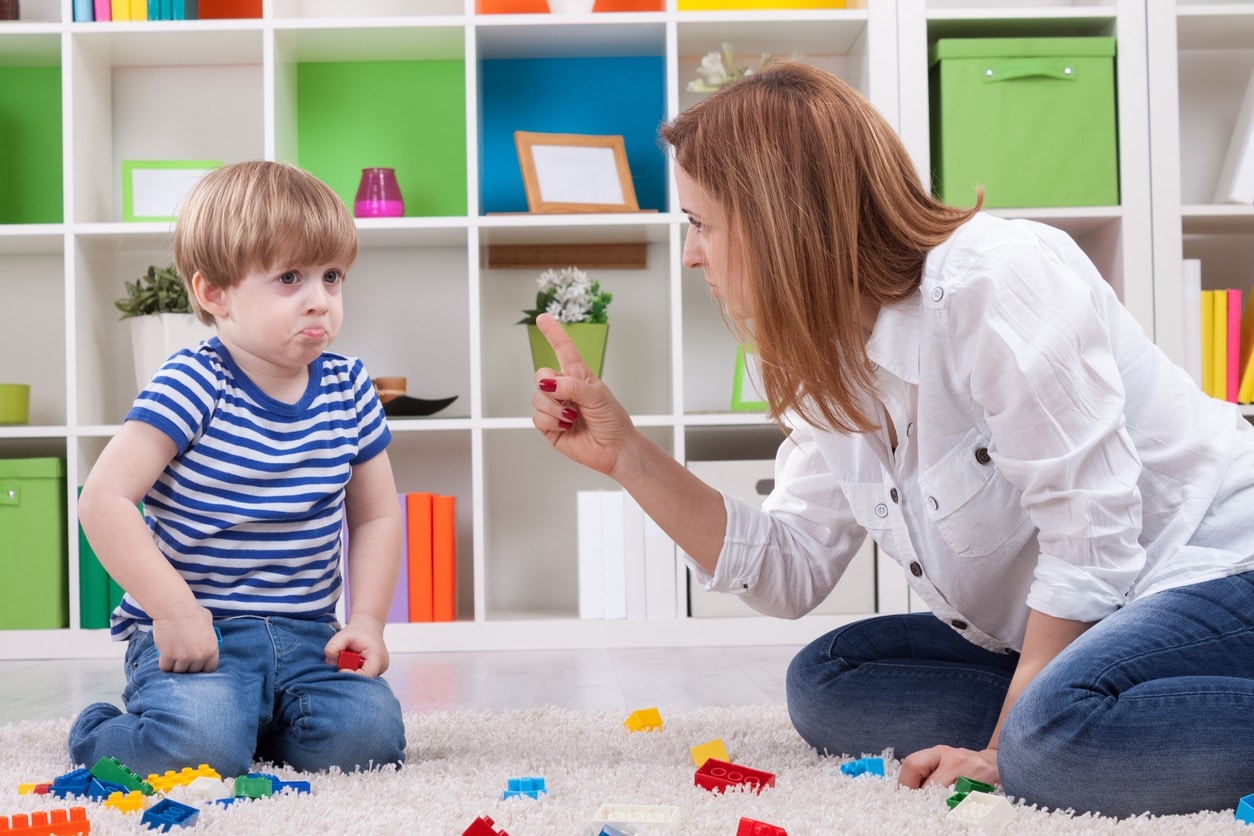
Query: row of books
[[626, 562], [86, 11], [1219, 338]]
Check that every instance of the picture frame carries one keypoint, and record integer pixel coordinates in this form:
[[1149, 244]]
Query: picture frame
[[747, 382], [569, 173], [153, 190]]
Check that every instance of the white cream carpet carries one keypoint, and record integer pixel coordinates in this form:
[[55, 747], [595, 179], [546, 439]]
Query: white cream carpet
[[459, 763]]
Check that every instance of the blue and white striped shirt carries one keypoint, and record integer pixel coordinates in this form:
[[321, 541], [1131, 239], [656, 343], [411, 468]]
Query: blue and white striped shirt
[[250, 509]]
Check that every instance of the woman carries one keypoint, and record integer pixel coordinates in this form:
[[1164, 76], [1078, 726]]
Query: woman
[[969, 392]]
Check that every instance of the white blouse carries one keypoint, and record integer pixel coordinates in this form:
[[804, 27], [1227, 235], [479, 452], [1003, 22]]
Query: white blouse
[[1048, 455]]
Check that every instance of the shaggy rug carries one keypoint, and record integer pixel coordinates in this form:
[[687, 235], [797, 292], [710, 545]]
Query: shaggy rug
[[459, 763]]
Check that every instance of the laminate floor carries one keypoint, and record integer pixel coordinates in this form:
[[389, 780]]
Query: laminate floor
[[672, 679]]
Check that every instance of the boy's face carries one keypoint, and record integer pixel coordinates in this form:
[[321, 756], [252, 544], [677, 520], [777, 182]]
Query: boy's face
[[285, 316]]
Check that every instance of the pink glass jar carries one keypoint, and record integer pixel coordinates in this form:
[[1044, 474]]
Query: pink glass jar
[[378, 194]]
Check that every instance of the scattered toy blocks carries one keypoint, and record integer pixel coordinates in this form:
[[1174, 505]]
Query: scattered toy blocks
[[710, 749], [483, 826], [108, 769], [531, 787], [749, 827], [1245, 810], [720, 775], [863, 766], [989, 812], [65, 822], [350, 660], [168, 813], [644, 719], [74, 782], [654, 816], [126, 802], [164, 783]]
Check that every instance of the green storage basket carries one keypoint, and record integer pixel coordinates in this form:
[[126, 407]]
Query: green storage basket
[[1032, 120], [33, 554]]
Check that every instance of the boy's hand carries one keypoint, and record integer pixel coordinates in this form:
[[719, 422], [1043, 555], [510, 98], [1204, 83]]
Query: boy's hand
[[187, 642], [363, 636]]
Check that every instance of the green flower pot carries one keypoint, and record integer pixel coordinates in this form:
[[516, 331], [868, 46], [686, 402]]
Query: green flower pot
[[588, 337]]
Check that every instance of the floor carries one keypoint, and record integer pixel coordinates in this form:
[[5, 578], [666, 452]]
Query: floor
[[670, 679]]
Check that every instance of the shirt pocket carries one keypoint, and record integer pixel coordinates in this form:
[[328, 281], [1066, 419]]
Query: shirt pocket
[[972, 506]]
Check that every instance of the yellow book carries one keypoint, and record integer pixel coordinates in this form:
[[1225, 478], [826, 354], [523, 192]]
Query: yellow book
[[121, 9], [1219, 334], [1245, 394], [139, 9], [1208, 342]]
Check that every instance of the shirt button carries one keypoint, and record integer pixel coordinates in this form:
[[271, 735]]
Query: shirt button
[[909, 429], [932, 503], [881, 510], [982, 456], [892, 494], [916, 569], [958, 624], [937, 294]]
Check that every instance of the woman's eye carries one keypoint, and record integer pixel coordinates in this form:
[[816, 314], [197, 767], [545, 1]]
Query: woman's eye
[[288, 278]]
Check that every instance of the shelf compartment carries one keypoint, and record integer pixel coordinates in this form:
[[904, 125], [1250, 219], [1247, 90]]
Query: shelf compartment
[[32, 341], [312, 9], [31, 167]]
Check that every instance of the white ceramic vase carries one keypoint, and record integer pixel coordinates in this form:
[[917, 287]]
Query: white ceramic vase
[[156, 336]]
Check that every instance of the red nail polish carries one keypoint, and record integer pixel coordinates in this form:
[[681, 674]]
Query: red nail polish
[[566, 425], [548, 385], [569, 414]]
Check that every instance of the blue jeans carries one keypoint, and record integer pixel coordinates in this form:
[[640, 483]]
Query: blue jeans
[[1151, 710], [273, 696]]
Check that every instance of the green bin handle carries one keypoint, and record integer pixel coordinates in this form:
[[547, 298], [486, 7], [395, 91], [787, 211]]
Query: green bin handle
[[1019, 68]]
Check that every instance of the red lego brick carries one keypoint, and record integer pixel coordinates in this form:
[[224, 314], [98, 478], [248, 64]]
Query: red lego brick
[[483, 826], [749, 827], [719, 775], [350, 660], [65, 822]]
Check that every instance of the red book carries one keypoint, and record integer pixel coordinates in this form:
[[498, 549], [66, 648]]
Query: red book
[[444, 557], [104, 10], [1234, 345], [418, 508]]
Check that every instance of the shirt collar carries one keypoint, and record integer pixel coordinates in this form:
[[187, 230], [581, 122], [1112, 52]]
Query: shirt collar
[[894, 342]]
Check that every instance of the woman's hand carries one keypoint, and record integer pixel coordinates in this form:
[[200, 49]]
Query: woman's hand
[[942, 765], [575, 411]]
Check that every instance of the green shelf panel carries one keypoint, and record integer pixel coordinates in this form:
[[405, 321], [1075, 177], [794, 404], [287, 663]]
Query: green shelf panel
[[30, 146], [406, 115]]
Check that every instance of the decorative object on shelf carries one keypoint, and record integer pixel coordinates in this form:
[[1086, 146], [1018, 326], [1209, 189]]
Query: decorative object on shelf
[[579, 303], [396, 404], [10, 10], [575, 173], [571, 7], [1236, 175], [718, 69], [161, 318], [14, 403], [378, 194], [747, 384], [153, 190]]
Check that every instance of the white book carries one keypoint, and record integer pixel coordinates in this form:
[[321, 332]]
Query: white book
[[634, 556], [591, 568], [1191, 287], [1236, 176], [613, 555], [659, 572]]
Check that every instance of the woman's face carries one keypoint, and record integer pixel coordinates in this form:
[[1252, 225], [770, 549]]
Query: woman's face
[[706, 244]]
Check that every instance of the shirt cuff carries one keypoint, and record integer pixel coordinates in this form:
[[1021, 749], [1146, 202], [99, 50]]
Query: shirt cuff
[[740, 560], [1064, 590]]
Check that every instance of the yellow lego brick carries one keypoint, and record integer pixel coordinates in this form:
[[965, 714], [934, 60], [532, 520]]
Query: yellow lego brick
[[644, 719], [710, 749], [130, 802], [171, 779], [26, 789]]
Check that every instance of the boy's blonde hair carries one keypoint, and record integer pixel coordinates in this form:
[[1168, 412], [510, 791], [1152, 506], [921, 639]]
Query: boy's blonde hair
[[825, 212], [258, 216]]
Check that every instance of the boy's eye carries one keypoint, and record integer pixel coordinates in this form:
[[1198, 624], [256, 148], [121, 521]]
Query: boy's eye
[[288, 278], [332, 277]]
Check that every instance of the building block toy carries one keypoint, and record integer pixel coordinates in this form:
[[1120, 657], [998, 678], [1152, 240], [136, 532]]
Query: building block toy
[[297, 787], [483, 826], [644, 719], [710, 749], [863, 766], [989, 812], [126, 802], [98, 790], [65, 822], [611, 831], [749, 827], [350, 660], [108, 769], [252, 786], [27, 788], [205, 789], [168, 813], [655, 816], [169, 780], [74, 782], [1245, 810], [965, 785], [531, 787], [720, 775]]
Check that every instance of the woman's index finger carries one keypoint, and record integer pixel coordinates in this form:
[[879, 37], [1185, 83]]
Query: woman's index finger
[[568, 355]]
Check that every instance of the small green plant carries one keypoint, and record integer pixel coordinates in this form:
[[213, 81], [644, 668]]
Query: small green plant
[[568, 295], [158, 291]]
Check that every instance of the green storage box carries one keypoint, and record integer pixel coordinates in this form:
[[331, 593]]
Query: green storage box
[[33, 594], [1031, 119]]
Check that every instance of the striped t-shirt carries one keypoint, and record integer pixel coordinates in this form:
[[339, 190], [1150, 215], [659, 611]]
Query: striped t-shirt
[[250, 509]]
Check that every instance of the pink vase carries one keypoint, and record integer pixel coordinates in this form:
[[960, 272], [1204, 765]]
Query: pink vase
[[378, 195]]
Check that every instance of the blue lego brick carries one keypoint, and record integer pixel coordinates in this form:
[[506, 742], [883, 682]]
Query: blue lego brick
[[530, 786], [166, 814], [1245, 810], [863, 766], [74, 782]]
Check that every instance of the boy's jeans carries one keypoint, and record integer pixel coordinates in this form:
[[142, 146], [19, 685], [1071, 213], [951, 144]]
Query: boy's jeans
[[273, 695], [1150, 710]]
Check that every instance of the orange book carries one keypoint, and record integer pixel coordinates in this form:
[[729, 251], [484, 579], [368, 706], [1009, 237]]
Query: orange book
[[444, 557], [418, 509]]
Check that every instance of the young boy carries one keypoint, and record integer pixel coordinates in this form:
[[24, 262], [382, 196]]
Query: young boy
[[249, 452]]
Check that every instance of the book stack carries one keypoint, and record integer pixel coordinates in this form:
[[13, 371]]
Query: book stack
[[130, 10], [626, 562], [1219, 338]]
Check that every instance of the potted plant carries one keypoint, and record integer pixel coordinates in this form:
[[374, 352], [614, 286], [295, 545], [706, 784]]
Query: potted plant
[[161, 320], [579, 303]]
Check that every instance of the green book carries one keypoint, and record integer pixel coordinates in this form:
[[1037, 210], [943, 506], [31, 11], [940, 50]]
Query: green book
[[93, 586]]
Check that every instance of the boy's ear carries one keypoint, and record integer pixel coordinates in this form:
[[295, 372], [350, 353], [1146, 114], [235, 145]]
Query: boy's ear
[[211, 298]]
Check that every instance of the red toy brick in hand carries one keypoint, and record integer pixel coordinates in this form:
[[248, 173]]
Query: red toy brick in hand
[[350, 660]]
